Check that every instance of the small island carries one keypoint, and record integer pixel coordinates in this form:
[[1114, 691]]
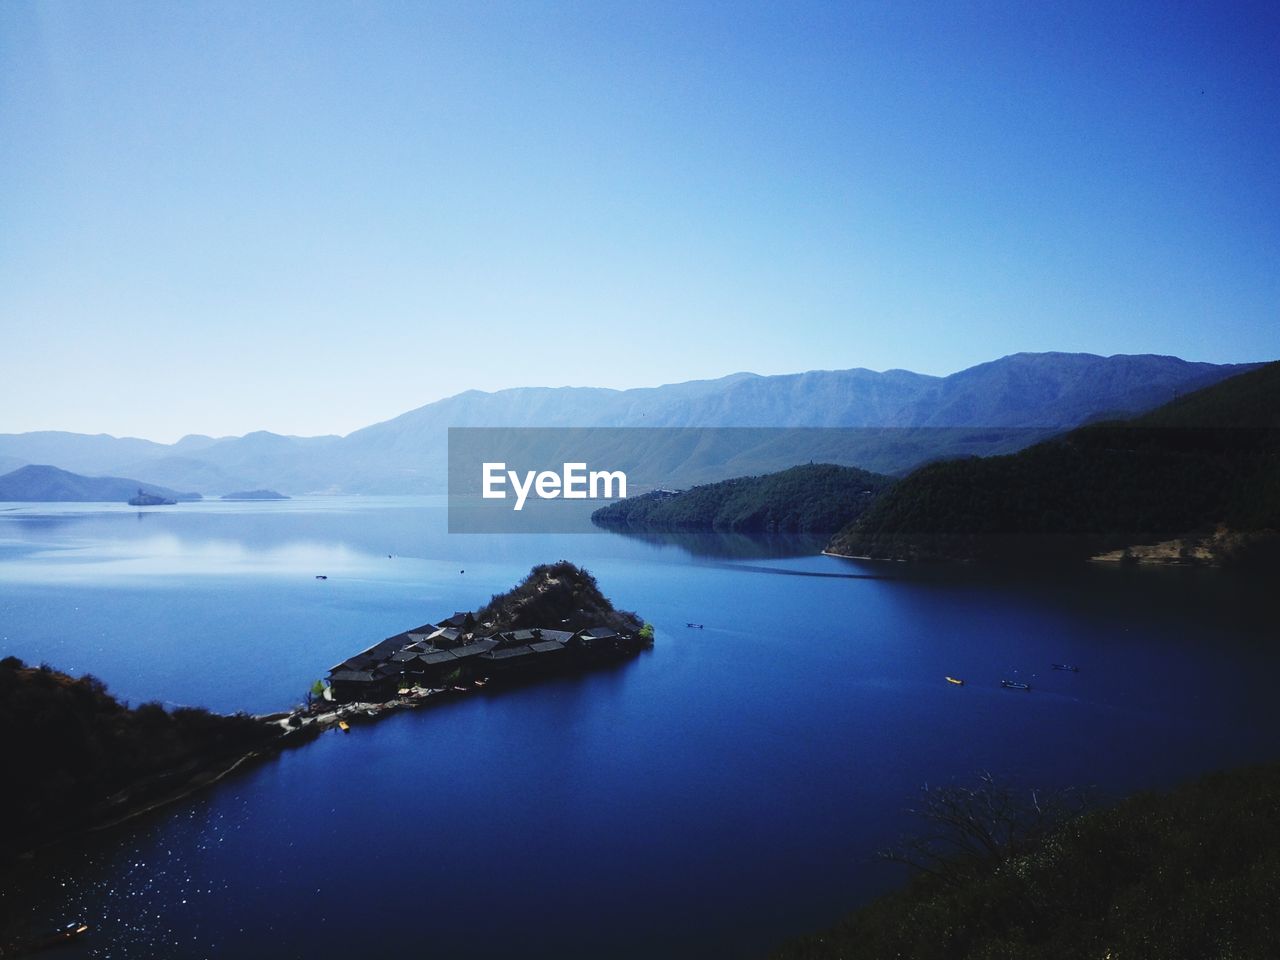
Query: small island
[[144, 499], [254, 495]]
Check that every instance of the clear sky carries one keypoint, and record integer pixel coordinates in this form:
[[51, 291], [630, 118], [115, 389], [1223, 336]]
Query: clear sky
[[306, 217]]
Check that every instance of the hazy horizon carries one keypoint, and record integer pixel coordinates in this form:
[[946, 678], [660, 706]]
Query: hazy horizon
[[228, 217], [169, 440]]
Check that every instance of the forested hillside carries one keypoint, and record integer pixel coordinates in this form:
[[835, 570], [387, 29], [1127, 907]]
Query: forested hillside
[[816, 497], [1206, 464]]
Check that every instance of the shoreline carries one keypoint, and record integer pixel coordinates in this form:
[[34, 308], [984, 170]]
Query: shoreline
[[205, 775], [201, 773], [196, 775], [853, 556]]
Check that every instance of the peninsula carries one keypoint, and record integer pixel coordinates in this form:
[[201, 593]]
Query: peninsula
[[555, 620], [40, 483], [83, 760], [79, 759], [1196, 480], [810, 498]]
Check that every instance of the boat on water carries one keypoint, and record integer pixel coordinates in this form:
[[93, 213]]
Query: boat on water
[[482, 681], [956, 680], [344, 726], [56, 938], [321, 576], [144, 499], [1070, 668], [696, 626], [1015, 685]]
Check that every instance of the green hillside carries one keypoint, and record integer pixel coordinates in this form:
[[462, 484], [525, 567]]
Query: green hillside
[[557, 593], [79, 757], [1186, 875], [814, 497], [1206, 462]]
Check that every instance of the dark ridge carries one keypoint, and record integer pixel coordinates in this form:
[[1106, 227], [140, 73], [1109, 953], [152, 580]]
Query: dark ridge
[[78, 757], [815, 497], [1205, 467]]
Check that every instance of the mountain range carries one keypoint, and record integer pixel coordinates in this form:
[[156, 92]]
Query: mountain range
[[1001, 406]]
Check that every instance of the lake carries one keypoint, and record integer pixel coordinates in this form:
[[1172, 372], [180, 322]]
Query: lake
[[722, 792]]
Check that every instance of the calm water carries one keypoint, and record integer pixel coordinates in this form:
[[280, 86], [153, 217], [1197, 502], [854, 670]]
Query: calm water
[[720, 793]]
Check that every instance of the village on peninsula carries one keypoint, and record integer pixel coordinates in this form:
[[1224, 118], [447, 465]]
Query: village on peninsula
[[554, 621]]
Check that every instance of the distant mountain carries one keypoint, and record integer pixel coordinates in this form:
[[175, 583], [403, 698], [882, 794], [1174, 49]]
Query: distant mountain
[[79, 452], [1008, 403], [254, 495], [819, 497], [46, 484], [1199, 477]]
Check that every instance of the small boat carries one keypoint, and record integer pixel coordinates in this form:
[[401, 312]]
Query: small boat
[[372, 712], [1015, 685], [144, 499], [54, 938], [958, 682], [1066, 666], [344, 726], [64, 933], [459, 688], [481, 681], [321, 576], [696, 626]]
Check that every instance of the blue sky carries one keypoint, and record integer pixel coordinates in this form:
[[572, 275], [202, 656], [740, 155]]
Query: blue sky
[[221, 217]]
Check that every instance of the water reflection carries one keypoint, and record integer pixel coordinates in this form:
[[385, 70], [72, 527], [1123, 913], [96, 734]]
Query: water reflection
[[804, 716], [729, 545]]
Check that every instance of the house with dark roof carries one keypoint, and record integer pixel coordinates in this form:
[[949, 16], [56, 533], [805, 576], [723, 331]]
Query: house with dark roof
[[459, 621], [549, 652], [435, 667], [444, 638], [562, 635], [505, 659], [474, 648], [358, 685]]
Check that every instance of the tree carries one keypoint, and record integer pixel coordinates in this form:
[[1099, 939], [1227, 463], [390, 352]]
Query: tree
[[971, 830]]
